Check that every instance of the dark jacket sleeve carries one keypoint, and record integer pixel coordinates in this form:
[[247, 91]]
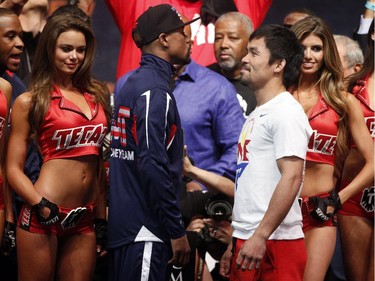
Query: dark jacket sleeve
[[156, 150]]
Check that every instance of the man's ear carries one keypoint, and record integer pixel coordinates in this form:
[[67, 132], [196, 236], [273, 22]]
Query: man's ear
[[280, 64], [163, 39], [357, 67]]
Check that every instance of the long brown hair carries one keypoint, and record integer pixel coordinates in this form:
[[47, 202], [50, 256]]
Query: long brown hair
[[44, 72], [331, 77]]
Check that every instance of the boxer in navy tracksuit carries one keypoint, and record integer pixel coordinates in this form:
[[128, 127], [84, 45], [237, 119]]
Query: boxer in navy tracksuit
[[145, 225]]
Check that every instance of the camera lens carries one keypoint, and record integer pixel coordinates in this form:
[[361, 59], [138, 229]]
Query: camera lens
[[219, 209]]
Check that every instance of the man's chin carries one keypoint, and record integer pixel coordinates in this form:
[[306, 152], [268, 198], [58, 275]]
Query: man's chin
[[226, 67], [244, 81], [185, 61]]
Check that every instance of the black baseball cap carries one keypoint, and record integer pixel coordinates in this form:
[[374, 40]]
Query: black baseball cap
[[155, 20]]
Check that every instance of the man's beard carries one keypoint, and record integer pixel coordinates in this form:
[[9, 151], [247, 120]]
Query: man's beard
[[247, 82], [227, 66], [187, 58]]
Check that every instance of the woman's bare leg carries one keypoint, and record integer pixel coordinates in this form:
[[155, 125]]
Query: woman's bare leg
[[356, 235], [320, 244], [77, 257], [36, 256]]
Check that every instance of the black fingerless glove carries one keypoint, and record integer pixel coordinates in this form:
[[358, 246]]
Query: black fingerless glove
[[101, 233], [319, 212], [53, 215], [9, 239], [320, 206]]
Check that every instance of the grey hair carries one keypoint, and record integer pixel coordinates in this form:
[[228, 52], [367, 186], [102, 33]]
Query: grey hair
[[242, 18], [353, 53]]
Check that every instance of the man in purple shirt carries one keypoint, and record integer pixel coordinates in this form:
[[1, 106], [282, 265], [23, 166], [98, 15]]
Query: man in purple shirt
[[211, 118]]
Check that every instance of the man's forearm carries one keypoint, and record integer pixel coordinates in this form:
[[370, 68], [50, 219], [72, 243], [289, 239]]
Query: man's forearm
[[283, 197], [212, 181]]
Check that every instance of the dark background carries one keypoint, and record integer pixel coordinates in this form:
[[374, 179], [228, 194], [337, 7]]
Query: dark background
[[342, 15]]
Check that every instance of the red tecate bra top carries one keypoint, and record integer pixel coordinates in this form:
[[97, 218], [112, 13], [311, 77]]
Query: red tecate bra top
[[66, 132], [3, 112], [361, 93], [324, 122]]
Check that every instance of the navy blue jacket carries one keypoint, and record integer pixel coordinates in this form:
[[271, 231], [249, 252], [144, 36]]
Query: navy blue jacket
[[146, 159]]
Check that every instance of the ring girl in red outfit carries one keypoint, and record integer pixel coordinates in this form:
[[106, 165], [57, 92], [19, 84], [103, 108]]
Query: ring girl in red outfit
[[5, 98], [334, 115], [67, 113], [356, 219]]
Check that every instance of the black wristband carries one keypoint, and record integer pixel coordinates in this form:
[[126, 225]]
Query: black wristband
[[100, 228], [9, 238], [43, 202], [336, 201], [101, 232]]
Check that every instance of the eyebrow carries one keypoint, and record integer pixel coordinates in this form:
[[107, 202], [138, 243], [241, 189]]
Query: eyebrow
[[70, 45]]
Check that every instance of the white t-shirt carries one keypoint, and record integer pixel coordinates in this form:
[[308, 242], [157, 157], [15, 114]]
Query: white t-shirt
[[276, 129]]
